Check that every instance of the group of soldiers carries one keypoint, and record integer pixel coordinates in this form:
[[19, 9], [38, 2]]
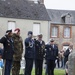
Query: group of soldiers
[[13, 49], [35, 50]]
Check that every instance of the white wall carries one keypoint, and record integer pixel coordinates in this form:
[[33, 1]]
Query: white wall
[[25, 26]]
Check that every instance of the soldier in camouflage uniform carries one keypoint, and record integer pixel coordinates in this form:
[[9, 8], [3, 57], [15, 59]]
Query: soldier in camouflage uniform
[[18, 50]]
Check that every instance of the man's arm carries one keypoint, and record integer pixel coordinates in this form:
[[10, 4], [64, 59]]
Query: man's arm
[[57, 53], [22, 46], [44, 48], [26, 43], [2, 40], [66, 53]]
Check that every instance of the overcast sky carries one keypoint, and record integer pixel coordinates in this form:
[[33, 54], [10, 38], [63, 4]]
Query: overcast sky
[[60, 4]]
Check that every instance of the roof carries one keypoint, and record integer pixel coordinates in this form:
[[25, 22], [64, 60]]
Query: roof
[[56, 15], [63, 15], [23, 9]]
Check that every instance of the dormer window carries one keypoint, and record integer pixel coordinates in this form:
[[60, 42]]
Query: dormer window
[[66, 18]]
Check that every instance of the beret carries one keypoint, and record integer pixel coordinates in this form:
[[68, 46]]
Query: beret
[[17, 29]]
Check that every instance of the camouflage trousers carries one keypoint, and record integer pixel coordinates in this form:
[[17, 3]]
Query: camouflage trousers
[[16, 68]]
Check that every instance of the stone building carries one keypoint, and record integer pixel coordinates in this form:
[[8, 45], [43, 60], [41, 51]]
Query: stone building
[[62, 27], [25, 15], [32, 15]]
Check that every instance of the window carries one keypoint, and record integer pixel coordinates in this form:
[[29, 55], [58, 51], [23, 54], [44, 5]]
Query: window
[[54, 31], [11, 25], [68, 19], [36, 29], [67, 32]]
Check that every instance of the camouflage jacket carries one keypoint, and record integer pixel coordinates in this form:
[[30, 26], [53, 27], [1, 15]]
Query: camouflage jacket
[[18, 47]]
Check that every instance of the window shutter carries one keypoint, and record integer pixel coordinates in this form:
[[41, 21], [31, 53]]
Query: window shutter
[[11, 25], [36, 29]]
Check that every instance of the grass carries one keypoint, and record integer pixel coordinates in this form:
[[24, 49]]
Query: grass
[[59, 72], [56, 72]]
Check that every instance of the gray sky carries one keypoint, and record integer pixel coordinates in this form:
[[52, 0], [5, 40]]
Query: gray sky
[[60, 4]]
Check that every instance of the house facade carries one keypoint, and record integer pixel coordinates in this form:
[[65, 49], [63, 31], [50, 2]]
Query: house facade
[[25, 26], [25, 15], [62, 27]]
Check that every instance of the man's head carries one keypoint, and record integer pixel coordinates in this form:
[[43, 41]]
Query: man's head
[[40, 36], [30, 34], [52, 41], [9, 33], [70, 46], [17, 31]]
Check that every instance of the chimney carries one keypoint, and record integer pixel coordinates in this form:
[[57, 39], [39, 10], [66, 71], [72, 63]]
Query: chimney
[[37, 1], [42, 1]]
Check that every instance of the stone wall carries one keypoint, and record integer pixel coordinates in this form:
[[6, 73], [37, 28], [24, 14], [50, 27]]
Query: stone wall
[[71, 64], [60, 39]]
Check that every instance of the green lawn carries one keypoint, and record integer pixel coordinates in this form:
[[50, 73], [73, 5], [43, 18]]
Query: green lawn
[[57, 72]]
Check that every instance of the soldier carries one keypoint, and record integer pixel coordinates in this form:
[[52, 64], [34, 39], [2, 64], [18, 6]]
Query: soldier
[[39, 54], [51, 55], [18, 50], [29, 53], [7, 42]]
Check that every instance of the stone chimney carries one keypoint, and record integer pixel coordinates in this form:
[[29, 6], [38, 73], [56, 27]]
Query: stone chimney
[[37, 1], [42, 1]]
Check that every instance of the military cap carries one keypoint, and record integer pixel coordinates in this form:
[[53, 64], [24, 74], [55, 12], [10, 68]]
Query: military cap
[[30, 32], [9, 31], [52, 40], [40, 34]]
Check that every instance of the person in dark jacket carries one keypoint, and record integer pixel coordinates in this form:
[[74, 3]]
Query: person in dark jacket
[[7, 42], [39, 54], [67, 52], [29, 53], [51, 55], [1, 51]]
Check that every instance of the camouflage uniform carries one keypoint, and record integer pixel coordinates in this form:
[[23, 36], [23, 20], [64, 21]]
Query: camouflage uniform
[[18, 50]]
